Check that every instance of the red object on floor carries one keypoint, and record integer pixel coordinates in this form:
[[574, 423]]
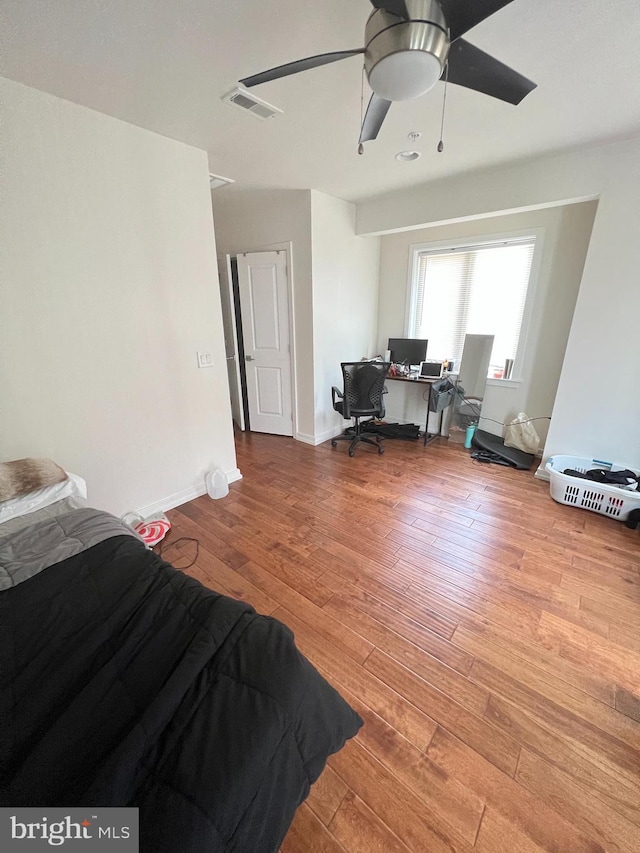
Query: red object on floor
[[152, 531]]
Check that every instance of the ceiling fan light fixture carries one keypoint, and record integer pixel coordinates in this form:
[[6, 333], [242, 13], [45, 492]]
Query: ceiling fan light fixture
[[404, 60], [405, 75], [407, 46], [407, 156]]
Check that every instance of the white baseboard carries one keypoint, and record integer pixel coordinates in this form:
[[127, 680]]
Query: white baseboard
[[305, 439], [315, 440], [171, 501], [183, 497], [542, 474], [234, 475]]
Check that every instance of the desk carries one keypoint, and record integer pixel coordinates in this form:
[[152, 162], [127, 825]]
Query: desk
[[415, 380]]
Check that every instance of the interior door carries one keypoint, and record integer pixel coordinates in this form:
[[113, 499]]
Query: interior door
[[231, 340], [264, 301]]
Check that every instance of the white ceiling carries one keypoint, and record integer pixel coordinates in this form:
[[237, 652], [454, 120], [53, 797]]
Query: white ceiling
[[164, 64]]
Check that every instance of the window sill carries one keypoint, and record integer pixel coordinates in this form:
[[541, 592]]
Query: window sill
[[504, 383]]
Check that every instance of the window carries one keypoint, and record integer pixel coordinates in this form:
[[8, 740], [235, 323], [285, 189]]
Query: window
[[478, 288]]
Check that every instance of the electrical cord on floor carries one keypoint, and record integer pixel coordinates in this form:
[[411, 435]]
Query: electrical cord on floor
[[481, 417], [166, 546], [514, 423], [460, 393]]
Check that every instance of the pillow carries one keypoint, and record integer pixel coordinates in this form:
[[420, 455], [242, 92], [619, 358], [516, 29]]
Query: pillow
[[27, 475], [72, 486]]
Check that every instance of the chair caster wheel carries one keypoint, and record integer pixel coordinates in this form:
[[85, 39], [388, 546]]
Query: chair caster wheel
[[352, 452], [334, 443], [381, 450]]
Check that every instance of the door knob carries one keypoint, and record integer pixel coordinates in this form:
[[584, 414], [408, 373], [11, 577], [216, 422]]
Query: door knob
[[249, 358]]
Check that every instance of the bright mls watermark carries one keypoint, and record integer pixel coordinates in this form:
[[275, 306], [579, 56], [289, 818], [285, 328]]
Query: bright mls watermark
[[112, 830]]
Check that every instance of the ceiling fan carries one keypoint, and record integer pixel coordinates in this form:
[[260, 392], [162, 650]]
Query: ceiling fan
[[409, 46]]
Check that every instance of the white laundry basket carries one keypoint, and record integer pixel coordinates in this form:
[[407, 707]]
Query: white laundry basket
[[613, 501]]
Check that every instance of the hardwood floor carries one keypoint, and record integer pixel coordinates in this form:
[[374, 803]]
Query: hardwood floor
[[488, 636]]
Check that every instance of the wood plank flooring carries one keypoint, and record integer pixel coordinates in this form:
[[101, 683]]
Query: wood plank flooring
[[488, 636]]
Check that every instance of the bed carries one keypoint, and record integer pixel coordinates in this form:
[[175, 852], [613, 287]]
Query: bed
[[126, 682]]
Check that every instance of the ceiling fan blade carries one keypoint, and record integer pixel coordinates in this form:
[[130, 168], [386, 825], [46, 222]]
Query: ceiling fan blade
[[462, 15], [473, 68], [396, 7], [373, 118], [298, 65]]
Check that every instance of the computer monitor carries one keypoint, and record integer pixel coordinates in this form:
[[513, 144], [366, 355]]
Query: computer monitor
[[407, 350]]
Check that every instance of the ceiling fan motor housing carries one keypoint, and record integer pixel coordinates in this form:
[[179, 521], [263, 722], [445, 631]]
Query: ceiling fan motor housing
[[405, 58]]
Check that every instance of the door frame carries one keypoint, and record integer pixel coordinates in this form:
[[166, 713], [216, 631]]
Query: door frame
[[226, 273], [287, 248]]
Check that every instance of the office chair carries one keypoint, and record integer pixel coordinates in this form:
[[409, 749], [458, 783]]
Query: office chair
[[362, 397]]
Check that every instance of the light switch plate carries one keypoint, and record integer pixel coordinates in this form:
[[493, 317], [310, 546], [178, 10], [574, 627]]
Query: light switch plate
[[205, 359]]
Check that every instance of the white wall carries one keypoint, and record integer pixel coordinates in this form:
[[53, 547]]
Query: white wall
[[257, 220], [345, 301], [597, 409], [109, 287], [564, 241]]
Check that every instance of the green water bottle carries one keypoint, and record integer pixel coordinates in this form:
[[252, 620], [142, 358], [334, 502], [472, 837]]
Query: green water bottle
[[469, 436]]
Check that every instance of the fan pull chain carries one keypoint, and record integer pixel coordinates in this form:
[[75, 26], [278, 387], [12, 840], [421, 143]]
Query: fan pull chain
[[444, 104], [360, 145]]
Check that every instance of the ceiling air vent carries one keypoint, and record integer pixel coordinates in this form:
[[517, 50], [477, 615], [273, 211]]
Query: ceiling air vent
[[250, 103]]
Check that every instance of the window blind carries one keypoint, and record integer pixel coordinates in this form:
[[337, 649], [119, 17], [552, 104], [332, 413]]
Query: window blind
[[472, 289]]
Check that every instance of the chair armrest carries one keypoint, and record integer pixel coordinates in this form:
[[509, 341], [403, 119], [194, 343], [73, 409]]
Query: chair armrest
[[336, 392]]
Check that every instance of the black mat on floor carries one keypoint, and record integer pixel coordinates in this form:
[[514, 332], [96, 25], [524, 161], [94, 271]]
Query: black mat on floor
[[494, 444], [408, 432]]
